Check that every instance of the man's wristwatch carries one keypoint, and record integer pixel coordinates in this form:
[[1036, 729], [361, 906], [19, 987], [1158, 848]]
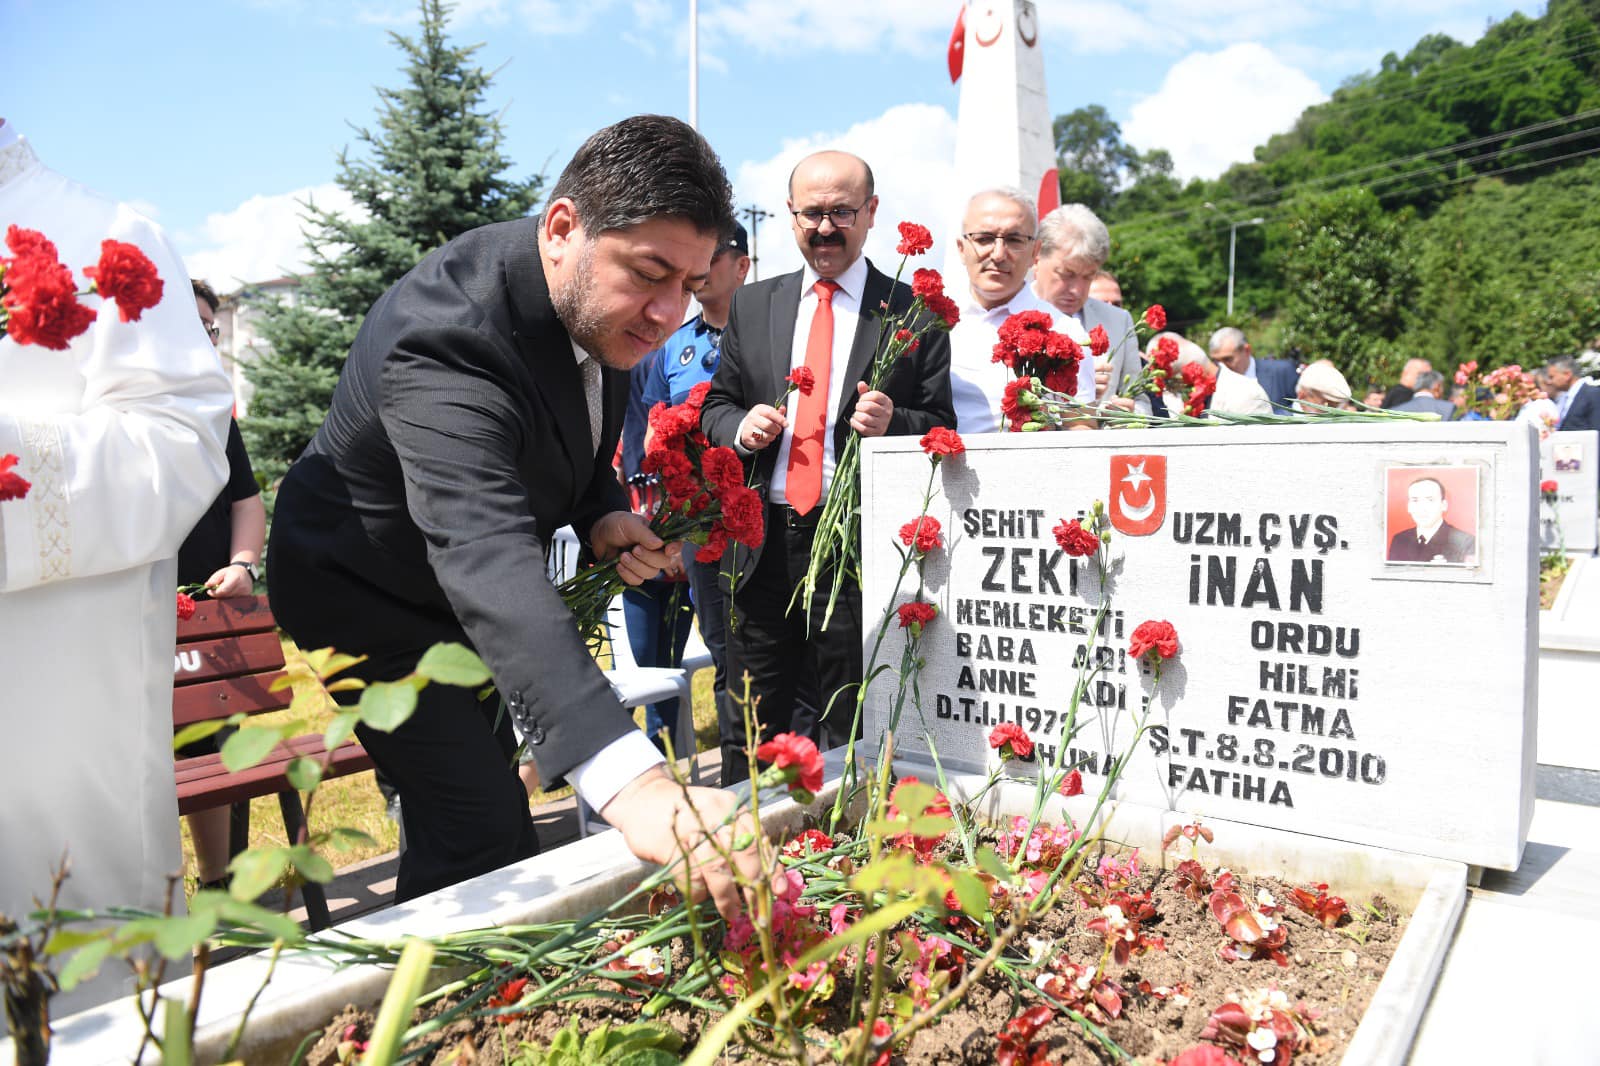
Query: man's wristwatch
[[249, 568]]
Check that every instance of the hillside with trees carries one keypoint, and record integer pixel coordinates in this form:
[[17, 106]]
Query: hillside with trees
[[1444, 205]]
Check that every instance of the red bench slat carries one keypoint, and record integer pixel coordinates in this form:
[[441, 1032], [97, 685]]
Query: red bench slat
[[206, 660], [227, 618], [231, 695], [203, 782]]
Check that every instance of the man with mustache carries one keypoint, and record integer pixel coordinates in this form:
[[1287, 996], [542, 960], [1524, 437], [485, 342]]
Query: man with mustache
[[825, 317], [477, 414]]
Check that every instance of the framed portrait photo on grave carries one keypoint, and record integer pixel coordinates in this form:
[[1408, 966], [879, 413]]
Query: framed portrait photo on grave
[[1431, 518]]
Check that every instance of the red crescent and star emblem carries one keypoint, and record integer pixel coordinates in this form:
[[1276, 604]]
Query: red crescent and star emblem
[[1138, 493]]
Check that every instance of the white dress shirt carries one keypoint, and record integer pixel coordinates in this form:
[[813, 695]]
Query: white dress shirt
[[977, 382], [846, 316]]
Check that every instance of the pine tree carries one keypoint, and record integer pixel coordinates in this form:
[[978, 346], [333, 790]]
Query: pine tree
[[433, 169]]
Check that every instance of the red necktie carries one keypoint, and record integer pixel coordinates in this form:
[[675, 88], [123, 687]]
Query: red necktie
[[804, 477]]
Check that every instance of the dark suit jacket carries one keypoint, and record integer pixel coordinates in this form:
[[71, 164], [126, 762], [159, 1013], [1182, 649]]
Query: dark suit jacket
[[458, 441], [1584, 413], [1452, 544], [755, 361], [1278, 379]]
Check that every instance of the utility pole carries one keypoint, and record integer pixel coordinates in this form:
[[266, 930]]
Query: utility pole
[[1233, 240], [754, 214]]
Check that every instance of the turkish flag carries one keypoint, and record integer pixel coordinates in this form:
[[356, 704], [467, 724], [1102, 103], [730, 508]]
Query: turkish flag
[[958, 45], [1138, 493]]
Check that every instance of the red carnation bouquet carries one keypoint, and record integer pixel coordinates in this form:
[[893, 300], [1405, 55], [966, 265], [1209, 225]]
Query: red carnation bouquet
[[39, 303], [836, 547], [39, 297], [1045, 392], [705, 502]]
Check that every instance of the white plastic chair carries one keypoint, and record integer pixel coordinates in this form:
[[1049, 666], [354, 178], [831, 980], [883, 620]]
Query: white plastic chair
[[634, 685]]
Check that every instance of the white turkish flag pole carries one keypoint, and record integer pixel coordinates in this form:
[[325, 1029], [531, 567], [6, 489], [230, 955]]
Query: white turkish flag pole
[[1003, 126]]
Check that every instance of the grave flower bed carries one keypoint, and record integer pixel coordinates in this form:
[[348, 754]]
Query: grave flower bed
[[1071, 951]]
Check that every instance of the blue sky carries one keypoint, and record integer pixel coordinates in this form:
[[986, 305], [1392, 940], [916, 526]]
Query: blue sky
[[216, 117]]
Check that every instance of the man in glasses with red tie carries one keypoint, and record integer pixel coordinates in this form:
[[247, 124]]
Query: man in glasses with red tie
[[826, 318]]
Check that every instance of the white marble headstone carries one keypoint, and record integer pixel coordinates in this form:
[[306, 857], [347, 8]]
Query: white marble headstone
[[1570, 460], [1339, 674]]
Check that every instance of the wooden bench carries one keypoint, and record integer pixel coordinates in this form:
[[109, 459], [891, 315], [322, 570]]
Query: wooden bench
[[228, 655]]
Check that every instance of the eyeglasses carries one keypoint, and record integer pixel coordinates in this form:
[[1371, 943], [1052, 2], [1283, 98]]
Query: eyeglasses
[[1014, 242], [841, 217]]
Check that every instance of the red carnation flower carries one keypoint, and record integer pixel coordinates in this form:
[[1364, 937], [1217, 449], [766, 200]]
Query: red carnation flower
[[13, 486], [42, 303], [716, 543], [722, 469], [1062, 379], [940, 441], [28, 242], [809, 842], [185, 606], [803, 379], [923, 534], [1011, 741], [1548, 487], [798, 758], [1074, 539], [1099, 342], [1165, 355], [914, 239], [915, 615], [1072, 784], [945, 308], [1156, 639], [743, 515], [125, 274], [697, 395], [926, 283], [1155, 316]]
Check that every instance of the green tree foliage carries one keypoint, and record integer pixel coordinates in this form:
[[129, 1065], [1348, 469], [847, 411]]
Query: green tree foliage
[[1348, 272], [1096, 167], [1471, 236], [432, 168]]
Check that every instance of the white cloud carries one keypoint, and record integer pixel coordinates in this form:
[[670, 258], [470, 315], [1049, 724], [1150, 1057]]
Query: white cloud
[[259, 240], [795, 28], [911, 149], [1214, 108]]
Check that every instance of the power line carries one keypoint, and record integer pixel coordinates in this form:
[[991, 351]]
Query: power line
[[1277, 196]]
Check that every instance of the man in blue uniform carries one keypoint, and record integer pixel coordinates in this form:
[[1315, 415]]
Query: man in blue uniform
[[657, 627]]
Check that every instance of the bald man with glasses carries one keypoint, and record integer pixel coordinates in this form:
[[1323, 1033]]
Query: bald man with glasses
[[998, 245], [825, 317]]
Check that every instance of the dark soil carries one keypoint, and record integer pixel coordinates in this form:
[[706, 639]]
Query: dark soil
[[1334, 972]]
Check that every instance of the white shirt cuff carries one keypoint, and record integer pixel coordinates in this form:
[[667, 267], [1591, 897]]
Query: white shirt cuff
[[600, 777]]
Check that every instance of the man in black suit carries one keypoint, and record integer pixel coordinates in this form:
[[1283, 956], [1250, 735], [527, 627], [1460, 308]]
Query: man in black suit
[[1432, 539], [825, 316], [1577, 400], [477, 413], [1277, 377]]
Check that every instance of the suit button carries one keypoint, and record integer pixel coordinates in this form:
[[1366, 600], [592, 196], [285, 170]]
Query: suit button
[[536, 735]]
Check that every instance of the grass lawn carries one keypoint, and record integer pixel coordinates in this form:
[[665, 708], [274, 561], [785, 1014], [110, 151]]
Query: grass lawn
[[354, 802]]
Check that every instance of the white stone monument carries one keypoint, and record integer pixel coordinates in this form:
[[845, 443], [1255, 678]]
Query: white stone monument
[[1003, 122], [1570, 460], [1340, 675]]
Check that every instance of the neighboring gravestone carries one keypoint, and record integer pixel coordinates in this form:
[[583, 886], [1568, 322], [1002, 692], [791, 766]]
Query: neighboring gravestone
[[1572, 461], [1341, 673]]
